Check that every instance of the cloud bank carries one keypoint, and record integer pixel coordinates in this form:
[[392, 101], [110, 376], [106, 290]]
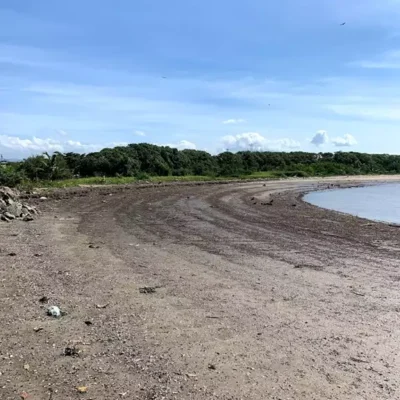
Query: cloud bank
[[35, 145], [254, 141]]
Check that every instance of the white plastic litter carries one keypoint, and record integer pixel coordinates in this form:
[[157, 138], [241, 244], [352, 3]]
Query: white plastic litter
[[54, 311]]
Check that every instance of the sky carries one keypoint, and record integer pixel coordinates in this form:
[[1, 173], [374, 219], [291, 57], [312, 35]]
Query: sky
[[200, 74]]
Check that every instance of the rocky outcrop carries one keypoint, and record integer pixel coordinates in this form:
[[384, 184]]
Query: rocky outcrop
[[12, 208]]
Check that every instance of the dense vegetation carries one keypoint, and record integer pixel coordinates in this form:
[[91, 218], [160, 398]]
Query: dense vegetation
[[142, 161]]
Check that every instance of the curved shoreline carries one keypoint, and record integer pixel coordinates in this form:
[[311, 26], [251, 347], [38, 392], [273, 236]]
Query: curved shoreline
[[390, 223], [252, 299]]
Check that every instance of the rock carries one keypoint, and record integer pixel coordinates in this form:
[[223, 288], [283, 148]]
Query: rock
[[4, 218], [82, 389], [11, 208], [6, 192], [15, 208], [9, 215], [71, 352], [31, 210], [43, 198], [54, 311], [100, 306]]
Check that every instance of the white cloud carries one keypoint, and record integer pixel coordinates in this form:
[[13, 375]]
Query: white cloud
[[62, 133], [34, 144], [345, 141], [320, 138], [256, 142], [182, 145], [233, 121], [140, 133], [37, 145]]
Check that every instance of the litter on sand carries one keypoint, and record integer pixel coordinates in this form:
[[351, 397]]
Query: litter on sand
[[147, 289]]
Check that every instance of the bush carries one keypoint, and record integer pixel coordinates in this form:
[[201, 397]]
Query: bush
[[142, 176], [9, 176], [296, 174]]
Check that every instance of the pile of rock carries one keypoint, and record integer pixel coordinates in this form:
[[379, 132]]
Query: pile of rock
[[11, 208]]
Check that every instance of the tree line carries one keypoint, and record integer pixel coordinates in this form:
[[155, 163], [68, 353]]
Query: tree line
[[144, 160]]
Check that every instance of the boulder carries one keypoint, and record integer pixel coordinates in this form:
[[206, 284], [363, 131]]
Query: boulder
[[8, 193], [9, 215], [29, 209], [4, 218], [15, 208]]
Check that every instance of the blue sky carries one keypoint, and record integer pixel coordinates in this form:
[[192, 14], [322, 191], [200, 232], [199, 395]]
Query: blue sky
[[213, 75]]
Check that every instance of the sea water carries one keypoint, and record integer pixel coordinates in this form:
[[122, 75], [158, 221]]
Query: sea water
[[378, 202]]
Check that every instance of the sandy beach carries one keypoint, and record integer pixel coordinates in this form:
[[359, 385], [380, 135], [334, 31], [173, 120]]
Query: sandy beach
[[225, 291]]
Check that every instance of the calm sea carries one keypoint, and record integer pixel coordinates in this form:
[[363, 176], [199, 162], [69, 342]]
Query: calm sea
[[380, 203]]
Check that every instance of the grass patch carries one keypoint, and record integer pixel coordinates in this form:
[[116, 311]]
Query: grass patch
[[123, 180]]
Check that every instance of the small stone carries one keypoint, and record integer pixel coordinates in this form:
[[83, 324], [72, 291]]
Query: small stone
[[54, 311], [100, 306], [71, 352], [82, 389], [26, 367]]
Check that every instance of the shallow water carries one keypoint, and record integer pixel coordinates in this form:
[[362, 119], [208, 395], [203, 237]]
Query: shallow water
[[380, 203]]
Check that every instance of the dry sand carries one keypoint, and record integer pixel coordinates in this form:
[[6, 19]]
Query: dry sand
[[251, 301]]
